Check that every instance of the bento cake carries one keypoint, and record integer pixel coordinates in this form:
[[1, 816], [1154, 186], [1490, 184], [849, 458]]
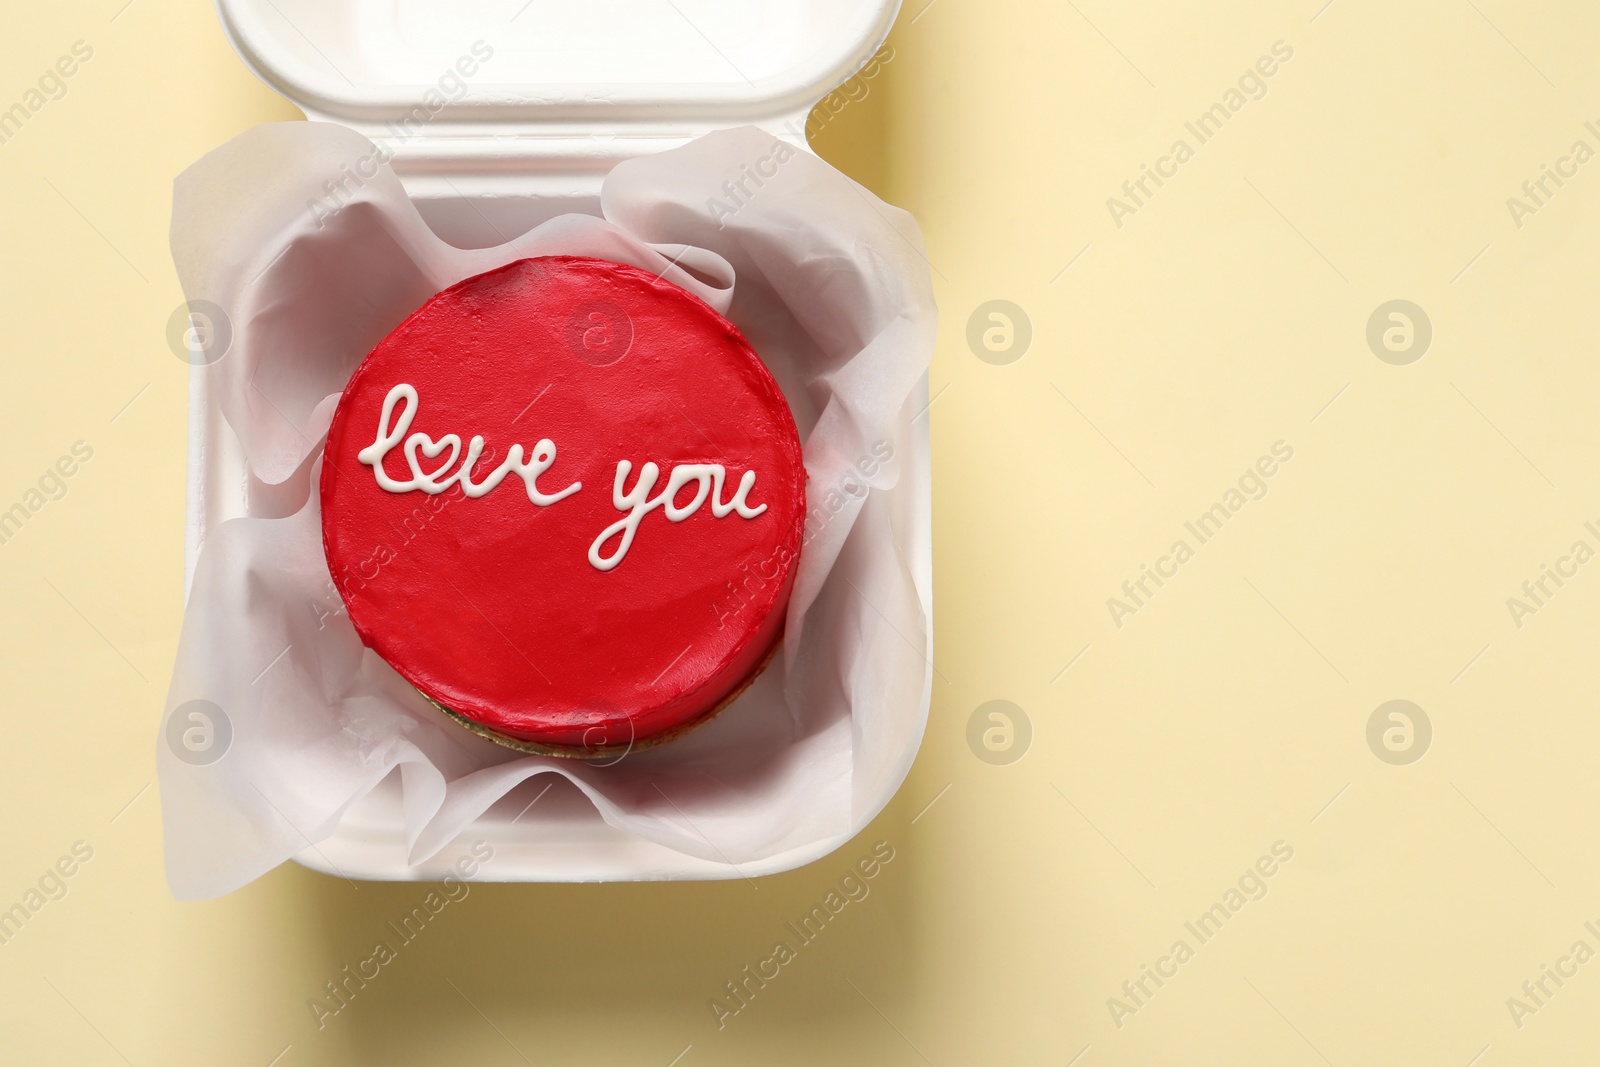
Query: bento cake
[[564, 500]]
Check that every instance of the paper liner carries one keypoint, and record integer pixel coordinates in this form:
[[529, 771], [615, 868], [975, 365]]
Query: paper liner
[[309, 245]]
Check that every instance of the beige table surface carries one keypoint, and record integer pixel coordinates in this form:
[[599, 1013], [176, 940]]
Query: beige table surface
[[1227, 714]]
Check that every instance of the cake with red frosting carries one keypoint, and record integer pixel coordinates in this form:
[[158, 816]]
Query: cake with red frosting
[[564, 499]]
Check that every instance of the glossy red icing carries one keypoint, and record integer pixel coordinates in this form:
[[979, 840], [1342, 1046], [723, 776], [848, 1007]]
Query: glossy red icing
[[490, 605]]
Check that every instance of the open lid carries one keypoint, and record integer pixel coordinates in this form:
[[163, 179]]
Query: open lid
[[464, 86]]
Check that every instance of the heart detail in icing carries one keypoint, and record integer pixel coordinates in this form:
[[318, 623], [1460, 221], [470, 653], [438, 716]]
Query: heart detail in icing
[[431, 449]]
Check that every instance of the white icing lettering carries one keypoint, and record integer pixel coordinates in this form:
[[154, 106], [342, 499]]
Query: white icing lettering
[[719, 509], [392, 432], [638, 502], [635, 503], [429, 483]]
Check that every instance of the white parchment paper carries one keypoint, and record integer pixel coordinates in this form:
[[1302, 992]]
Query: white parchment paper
[[306, 241]]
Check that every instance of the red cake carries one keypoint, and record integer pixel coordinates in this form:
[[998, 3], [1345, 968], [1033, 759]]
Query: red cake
[[564, 499]]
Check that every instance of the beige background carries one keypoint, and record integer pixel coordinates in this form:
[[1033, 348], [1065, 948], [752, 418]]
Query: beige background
[[1228, 714]]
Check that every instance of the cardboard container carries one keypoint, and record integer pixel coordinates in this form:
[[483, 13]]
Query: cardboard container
[[489, 148]]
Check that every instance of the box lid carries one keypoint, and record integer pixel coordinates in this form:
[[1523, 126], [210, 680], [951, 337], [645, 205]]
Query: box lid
[[472, 85]]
